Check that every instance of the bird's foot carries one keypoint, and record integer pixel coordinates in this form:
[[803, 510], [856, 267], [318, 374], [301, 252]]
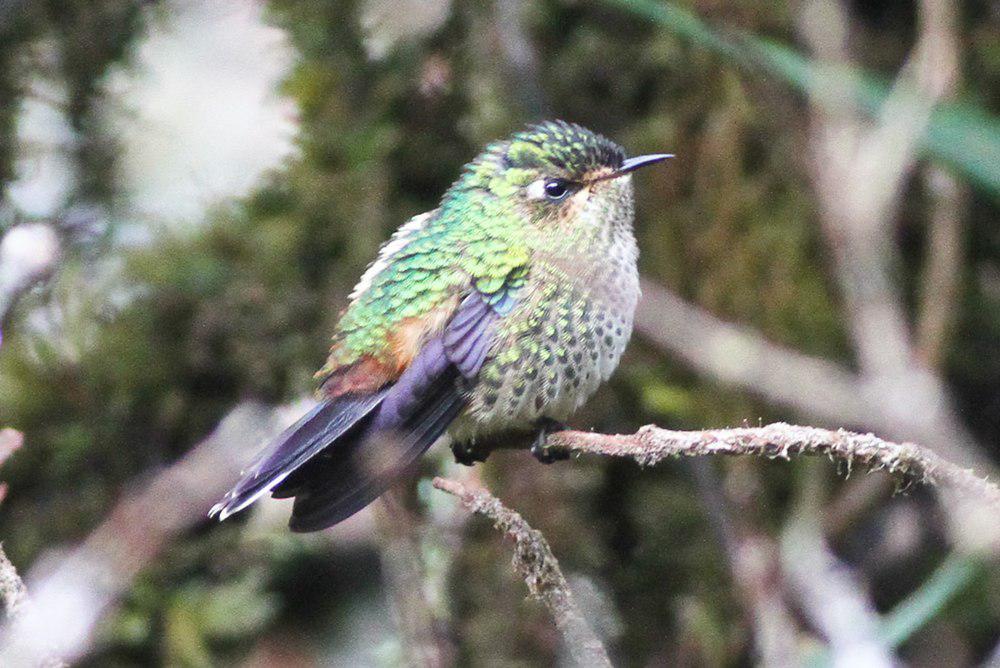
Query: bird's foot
[[540, 449], [466, 453]]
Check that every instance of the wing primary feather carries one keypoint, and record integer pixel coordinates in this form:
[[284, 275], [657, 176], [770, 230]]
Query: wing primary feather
[[314, 431], [467, 339], [347, 484], [415, 412]]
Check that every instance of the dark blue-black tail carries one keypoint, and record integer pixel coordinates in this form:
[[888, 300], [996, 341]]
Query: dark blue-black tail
[[315, 431], [347, 451], [344, 479]]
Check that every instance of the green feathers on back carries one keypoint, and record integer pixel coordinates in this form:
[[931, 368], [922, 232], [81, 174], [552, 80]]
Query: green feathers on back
[[477, 238], [473, 240]]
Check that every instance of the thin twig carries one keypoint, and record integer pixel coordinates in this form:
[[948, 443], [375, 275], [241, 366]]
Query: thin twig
[[651, 445], [534, 560]]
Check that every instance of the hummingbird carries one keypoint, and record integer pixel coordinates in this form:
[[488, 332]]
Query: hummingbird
[[500, 311]]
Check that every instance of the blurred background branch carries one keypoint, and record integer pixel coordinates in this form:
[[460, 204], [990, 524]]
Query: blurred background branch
[[826, 589], [423, 631], [70, 596], [28, 255], [754, 568], [939, 70], [736, 355]]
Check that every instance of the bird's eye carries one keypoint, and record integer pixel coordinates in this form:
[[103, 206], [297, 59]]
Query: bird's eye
[[556, 189]]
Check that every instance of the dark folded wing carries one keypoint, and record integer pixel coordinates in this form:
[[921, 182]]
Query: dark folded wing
[[346, 451], [414, 413], [349, 476]]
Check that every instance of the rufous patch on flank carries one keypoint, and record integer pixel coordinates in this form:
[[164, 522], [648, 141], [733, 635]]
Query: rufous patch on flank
[[408, 337], [366, 375]]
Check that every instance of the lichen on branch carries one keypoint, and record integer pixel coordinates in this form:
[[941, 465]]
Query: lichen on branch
[[651, 444], [534, 561]]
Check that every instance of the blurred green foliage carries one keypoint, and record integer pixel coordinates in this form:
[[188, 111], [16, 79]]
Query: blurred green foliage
[[960, 135], [241, 307]]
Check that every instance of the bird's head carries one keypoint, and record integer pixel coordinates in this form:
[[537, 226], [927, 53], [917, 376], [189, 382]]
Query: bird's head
[[557, 176]]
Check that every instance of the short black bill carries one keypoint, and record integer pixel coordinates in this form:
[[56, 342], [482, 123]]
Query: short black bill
[[632, 164]]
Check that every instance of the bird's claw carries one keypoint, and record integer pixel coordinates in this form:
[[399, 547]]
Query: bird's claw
[[467, 454], [541, 450]]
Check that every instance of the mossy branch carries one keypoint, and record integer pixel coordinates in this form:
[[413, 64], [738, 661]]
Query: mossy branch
[[651, 445], [534, 560]]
